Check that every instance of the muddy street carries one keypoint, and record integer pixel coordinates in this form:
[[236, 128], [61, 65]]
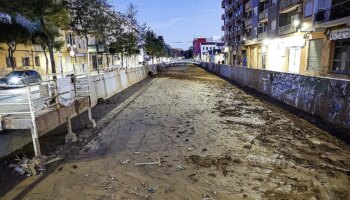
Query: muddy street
[[188, 135]]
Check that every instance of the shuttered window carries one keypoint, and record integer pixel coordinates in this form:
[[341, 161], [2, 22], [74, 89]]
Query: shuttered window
[[315, 55]]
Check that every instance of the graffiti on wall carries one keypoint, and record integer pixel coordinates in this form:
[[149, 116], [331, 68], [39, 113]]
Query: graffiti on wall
[[320, 96]]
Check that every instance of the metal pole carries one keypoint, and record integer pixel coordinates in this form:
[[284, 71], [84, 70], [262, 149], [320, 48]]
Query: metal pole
[[88, 64], [34, 130]]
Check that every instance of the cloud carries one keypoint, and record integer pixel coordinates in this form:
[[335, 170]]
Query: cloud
[[166, 24]]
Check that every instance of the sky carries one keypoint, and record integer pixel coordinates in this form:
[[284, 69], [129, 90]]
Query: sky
[[179, 21]]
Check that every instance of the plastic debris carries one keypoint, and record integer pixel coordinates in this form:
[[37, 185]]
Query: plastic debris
[[152, 189], [149, 163], [126, 161]]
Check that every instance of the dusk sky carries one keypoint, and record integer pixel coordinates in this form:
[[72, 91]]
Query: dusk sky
[[179, 21]]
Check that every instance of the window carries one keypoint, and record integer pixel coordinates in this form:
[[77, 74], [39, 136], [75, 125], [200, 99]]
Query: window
[[100, 60], [33, 73], [206, 48], [203, 48], [25, 61], [308, 8], [37, 61], [341, 61]]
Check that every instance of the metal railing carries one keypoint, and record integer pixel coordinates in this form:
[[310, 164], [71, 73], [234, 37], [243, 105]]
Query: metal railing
[[248, 22], [28, 102], [287, 29], [335, 12], [264, 14], [262, 36], [287, 3]]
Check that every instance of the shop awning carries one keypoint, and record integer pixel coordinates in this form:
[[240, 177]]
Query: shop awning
[[340, 34]]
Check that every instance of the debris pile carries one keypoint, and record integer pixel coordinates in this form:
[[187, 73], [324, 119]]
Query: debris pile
[[32, 167]]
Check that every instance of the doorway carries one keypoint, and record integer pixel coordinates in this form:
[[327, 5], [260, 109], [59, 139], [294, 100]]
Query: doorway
[[294, 60]]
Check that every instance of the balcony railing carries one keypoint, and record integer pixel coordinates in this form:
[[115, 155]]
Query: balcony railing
[[248, 5], [335, 12], [264, 15], [290, 28], [262, 36], [248, 22], [287, 3]]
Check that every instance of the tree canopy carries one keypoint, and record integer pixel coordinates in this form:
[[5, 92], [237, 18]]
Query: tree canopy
[[155, 45]]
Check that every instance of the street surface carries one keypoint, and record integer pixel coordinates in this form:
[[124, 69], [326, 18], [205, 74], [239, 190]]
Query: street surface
[[212, 140]]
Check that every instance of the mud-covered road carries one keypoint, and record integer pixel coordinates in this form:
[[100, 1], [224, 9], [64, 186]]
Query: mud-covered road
[[212, 140]]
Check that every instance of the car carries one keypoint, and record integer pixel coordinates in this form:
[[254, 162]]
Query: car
[[20, 79]]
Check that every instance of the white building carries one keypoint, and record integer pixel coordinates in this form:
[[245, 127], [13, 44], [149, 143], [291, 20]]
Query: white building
[[211, 51]]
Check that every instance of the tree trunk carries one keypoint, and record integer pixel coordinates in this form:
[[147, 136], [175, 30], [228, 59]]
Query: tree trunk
[[88, 54], [53, 64], [11, 50], [107, 60], [113, 60], [47, 62], [122, 56]]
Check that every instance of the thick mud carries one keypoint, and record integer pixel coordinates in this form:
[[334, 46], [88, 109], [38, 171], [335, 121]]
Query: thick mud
[[192, 135]]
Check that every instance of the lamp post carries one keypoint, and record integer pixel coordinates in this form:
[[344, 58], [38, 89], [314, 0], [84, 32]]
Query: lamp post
[[72, 54], [61, 62]]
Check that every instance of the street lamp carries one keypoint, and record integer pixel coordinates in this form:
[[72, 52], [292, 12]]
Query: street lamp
[[72, 54], [61, 62], [296, 22]]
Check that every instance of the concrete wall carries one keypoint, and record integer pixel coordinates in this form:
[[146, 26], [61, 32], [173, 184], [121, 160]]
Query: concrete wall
[[108, 84], [320, 96]]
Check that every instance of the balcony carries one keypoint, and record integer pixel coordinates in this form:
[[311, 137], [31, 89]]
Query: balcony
[[248, 22], [262, 36], [284, 30], [228, 7], [249, 36], [222, 28], [264, 15], [336, 12], [223, 16], [248, 6], [223, 3], [289, 5]]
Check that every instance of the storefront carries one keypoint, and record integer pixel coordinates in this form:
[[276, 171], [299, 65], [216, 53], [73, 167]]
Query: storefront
[[284, 54]]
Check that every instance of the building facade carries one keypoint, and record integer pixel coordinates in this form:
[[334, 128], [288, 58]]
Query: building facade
[[296, 36], [233, 27], [197, 47], [212, 52], [76, 56]]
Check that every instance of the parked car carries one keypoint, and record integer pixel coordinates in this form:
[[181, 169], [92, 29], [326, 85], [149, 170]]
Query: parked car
[[20, 79]]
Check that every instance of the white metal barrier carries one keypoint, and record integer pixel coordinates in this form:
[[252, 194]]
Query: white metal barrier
[[29, 101]]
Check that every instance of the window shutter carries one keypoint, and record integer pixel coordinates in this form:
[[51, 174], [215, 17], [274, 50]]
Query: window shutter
[[315, 55]]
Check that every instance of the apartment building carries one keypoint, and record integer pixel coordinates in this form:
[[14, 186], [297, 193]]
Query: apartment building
[[298, 36], [234, 31]]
